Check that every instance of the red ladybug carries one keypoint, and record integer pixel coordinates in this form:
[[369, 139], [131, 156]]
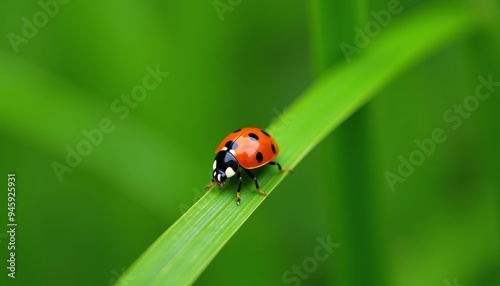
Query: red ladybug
[[248, 148]]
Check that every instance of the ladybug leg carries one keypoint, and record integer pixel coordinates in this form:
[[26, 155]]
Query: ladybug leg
[[238, 199], [210, 185], [256, 183], [279, 167]]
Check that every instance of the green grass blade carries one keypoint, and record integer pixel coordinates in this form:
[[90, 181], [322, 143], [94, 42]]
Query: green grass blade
[[180, 255], [332, 23]]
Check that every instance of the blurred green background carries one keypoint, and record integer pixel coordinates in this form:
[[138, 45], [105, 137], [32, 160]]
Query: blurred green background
[[65, 74]]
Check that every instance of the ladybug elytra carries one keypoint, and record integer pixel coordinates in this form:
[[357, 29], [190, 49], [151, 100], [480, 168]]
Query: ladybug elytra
[[246, 148]]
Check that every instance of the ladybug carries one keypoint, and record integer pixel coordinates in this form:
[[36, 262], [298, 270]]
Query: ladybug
[[246, 148]]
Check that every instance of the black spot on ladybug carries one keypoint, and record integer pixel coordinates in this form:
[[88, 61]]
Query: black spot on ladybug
[[265, 133], [273, 148], [237, 130], [253, 136], [259, 157], [231, 145]]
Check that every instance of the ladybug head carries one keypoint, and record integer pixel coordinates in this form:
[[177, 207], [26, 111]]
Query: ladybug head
[[219, 177], [225, 166]]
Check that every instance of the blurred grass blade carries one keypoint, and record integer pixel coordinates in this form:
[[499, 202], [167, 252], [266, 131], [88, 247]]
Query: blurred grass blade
[[180, 255], [331, 23]]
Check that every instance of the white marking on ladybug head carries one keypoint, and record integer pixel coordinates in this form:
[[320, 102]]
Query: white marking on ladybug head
[[218, 177], [215, 164], [232, 152], [229, 172], [223, 149]]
